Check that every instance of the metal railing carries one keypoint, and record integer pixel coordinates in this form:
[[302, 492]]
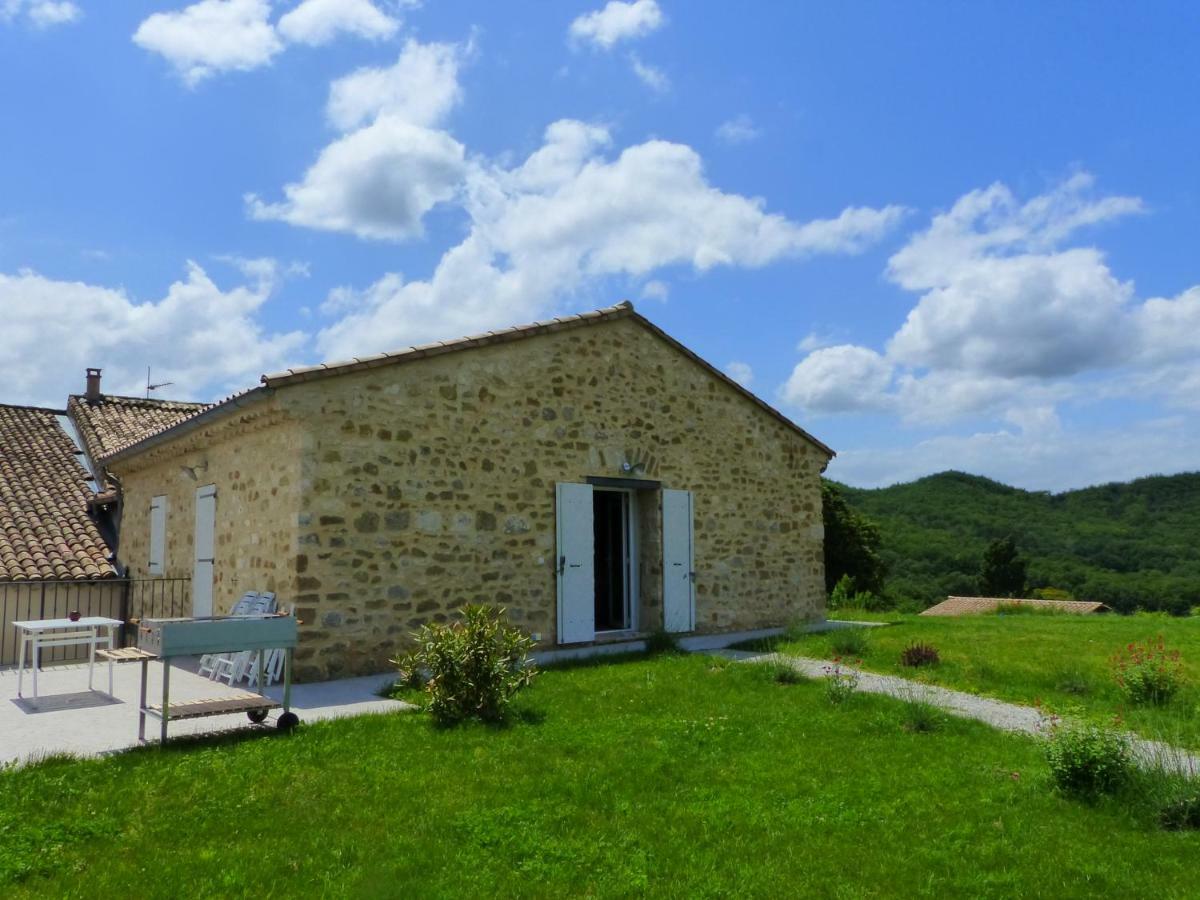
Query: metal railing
[[115, 598]]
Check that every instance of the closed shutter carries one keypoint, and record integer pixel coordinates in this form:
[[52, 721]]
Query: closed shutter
[[679, 576], [576, 564], [205, 542], [158, 536]]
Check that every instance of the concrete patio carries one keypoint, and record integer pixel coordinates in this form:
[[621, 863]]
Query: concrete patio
[[67, 718]]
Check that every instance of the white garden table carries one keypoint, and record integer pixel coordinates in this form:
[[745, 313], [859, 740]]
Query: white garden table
[[94, 631]]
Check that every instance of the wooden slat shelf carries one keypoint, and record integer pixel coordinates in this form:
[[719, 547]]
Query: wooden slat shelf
[[125, 654], [195, 709]]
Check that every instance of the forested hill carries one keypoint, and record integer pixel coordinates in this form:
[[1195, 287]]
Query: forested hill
[[1128, 545]]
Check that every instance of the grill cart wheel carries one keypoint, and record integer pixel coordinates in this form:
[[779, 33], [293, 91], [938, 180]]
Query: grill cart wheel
[[287, 721], [257, 716]]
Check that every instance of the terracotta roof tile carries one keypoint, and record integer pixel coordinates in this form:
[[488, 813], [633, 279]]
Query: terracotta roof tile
[[45, 529], [113, 422], [966, 606]]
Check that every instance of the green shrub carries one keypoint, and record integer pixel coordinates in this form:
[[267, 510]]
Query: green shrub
[[919, 653], [1182, 812], [781, 673], [842, 592], [410, 670], [471, 669], [1088, 760], [1072, 681], [850, 642], [1148, 673], [920, 716]]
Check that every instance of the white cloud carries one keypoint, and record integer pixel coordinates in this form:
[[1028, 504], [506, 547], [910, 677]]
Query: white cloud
[[316, 22], [206, 340], [377, 182], [40, 13], [380, 180], [420, 88], [738, 130], [651, 76], [991, 223], [1034, 314], [617, 21], [1004, 316], [212, 36], [655, 289], [740, 372], [569, 217], [1169, 329], [1010, 328], [844, 378], [814, 341]]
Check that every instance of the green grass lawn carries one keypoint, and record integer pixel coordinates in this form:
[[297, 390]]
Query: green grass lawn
[[1060, 661], [676, 776]]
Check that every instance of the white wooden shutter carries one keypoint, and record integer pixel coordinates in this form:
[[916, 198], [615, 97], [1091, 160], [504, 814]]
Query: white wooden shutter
[[202, 573], [576, 564], [679, 577], [158, 536]]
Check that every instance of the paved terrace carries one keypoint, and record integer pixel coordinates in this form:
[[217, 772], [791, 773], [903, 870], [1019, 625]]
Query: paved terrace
[[67, 718]]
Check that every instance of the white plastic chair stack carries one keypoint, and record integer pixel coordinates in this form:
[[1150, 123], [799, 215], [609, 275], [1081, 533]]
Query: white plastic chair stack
[[208, 661], [233, 667]]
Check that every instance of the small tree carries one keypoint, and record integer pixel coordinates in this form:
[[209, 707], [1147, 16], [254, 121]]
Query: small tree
[[1003, 571], [851, 544]]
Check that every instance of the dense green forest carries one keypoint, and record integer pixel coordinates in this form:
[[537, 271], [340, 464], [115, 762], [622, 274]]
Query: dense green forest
[[1134, 545]]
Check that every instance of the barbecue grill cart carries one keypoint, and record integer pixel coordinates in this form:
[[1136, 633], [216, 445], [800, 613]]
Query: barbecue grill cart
[[166, 639]]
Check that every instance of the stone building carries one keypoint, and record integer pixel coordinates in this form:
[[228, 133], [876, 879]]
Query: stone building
[[58, 510], [590, 474]]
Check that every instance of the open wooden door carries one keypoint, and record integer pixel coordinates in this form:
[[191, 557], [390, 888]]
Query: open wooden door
[[679, 576], [576, 564]]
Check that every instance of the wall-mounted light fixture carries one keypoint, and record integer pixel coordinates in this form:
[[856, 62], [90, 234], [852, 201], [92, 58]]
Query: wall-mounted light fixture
[[633, 468], [193, 472]]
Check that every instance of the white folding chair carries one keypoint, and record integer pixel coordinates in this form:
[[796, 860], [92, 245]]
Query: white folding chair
[[208, 662], [233, 667]]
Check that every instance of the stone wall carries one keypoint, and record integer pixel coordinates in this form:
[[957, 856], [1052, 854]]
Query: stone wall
[[430, 484], [253, 460]]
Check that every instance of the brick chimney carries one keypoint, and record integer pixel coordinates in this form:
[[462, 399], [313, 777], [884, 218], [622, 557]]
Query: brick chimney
[[92, 394]]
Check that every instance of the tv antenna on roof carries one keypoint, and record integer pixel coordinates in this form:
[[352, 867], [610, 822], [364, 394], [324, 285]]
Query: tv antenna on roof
[[154, 387]]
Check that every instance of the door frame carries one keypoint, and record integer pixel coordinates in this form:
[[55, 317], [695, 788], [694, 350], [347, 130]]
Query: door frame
[[632, 560]]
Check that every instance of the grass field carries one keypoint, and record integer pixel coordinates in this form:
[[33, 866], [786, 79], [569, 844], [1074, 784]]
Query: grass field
[[1059, 661], [670, 776]]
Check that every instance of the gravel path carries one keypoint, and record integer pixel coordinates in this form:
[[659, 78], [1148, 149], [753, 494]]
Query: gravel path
[[997, 713]]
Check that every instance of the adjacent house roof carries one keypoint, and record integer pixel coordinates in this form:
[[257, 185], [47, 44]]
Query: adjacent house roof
[[965, 606], [324, 370], [111, 422], [45, 529]]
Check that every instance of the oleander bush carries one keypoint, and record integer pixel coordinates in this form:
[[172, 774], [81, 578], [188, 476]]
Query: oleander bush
[[1148, 673], [472, 668]]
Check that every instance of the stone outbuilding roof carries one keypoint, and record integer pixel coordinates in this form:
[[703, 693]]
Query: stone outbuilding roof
[[300, 374], [111, 421], [45, 529], [966, 606]]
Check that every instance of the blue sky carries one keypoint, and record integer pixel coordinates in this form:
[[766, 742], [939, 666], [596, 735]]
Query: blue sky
[[937, 235]]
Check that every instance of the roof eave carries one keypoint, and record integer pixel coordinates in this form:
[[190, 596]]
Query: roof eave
[[188, 425]]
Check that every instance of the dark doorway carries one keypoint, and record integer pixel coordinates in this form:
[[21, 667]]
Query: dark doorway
[[610, 521]]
